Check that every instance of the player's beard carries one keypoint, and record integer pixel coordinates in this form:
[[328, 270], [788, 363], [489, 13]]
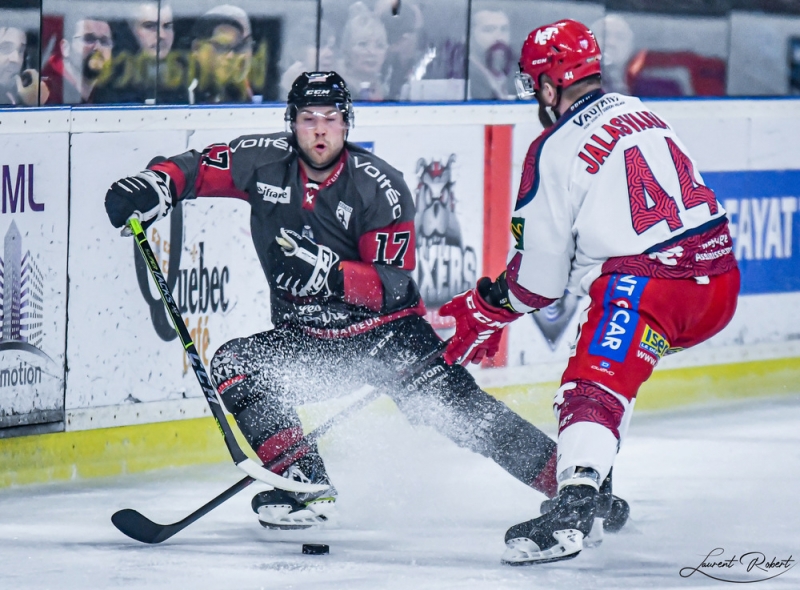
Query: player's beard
[[323, 166], [545, 117], [93, 65]]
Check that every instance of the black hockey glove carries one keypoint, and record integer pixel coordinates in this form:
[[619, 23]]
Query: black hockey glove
[[304, 268], [148, 194]]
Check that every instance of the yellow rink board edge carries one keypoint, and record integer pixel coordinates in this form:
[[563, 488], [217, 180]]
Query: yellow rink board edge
[[131, 449]]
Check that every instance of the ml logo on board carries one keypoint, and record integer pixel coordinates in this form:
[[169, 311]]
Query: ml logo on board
[[18, 189]]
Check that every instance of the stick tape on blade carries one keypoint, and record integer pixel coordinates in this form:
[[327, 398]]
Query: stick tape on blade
[[258, 472]]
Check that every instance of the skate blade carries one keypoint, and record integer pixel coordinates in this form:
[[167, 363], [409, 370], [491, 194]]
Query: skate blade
[[324, 507], [595, 536], [523, 551], [284, 527], [280, 517]]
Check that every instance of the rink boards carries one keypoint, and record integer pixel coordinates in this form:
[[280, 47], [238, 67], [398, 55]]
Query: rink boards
[[93, 382]]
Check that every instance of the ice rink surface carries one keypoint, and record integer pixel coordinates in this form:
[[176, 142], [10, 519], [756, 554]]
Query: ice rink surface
[[417, 512]]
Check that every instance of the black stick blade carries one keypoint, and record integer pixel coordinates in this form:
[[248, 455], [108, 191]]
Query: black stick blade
[[140, 528]]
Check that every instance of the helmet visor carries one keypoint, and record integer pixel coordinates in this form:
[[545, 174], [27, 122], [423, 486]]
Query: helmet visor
[[524, 85], [330, 119]]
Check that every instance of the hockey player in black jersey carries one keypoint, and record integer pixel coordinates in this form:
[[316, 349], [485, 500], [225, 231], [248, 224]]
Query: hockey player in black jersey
[[333, 226]]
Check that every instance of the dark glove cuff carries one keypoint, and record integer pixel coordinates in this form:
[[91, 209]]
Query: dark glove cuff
[[336, 281], [173, 190], [495, 293]]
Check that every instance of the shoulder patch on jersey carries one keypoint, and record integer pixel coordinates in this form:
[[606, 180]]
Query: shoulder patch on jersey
[[518, 231], [343, 212]]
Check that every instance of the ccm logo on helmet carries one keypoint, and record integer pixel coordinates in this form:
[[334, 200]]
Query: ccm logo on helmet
[[318, 92], [392, 195]]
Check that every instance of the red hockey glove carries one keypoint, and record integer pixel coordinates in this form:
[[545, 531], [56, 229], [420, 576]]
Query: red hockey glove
[[479, 325]]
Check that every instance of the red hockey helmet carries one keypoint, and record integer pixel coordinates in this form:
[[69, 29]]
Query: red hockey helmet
[[567, 51]]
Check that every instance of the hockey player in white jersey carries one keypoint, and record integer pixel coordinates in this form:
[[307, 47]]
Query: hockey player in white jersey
[[610, 205]]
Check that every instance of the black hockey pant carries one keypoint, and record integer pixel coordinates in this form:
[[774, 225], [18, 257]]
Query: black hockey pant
[[262, 378]]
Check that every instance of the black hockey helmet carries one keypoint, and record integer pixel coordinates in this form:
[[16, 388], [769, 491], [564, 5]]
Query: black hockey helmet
[[319, 88]]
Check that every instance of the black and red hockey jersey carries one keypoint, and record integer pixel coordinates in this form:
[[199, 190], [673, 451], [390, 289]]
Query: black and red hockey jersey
[[364, 212]]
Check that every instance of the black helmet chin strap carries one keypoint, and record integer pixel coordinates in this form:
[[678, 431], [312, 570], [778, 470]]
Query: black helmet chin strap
[[549, 116], [559, 91]]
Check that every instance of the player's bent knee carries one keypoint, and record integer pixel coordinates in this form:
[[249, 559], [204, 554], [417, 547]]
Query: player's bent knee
[[261, 419], [585, 401], [230, 374]]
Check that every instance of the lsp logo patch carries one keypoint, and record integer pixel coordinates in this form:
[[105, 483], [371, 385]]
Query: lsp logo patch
[[653, 342]]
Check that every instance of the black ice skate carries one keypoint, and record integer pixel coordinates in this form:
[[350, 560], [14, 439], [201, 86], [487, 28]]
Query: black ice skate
[[279, 509], [612, 509], [612, 512], [559, 534]]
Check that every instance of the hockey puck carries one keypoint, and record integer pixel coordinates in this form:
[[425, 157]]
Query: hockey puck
[[315, 549]]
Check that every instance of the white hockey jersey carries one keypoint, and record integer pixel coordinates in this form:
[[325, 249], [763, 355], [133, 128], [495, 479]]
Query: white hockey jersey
[[611, 179]]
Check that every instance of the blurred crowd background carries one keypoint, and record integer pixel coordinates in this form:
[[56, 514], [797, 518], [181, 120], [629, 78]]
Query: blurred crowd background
[[249, 51]]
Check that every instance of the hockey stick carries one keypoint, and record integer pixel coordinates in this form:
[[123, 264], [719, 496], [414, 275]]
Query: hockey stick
[[241, 460], [140, 528]]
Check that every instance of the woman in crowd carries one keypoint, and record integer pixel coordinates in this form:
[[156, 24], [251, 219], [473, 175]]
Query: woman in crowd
[[363, 53]]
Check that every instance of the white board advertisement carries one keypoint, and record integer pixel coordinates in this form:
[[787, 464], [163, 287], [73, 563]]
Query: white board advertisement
[[443, 167], [112, 347], [33, 226], [123, 348]]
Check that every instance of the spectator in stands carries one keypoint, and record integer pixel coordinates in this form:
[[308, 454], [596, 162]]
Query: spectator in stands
[[406, 60], [222, 52], [491, 61], [245, 47], [301, 57], [71, 75], [154, 32], [17, 86], [363, 53], [141, 45]]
